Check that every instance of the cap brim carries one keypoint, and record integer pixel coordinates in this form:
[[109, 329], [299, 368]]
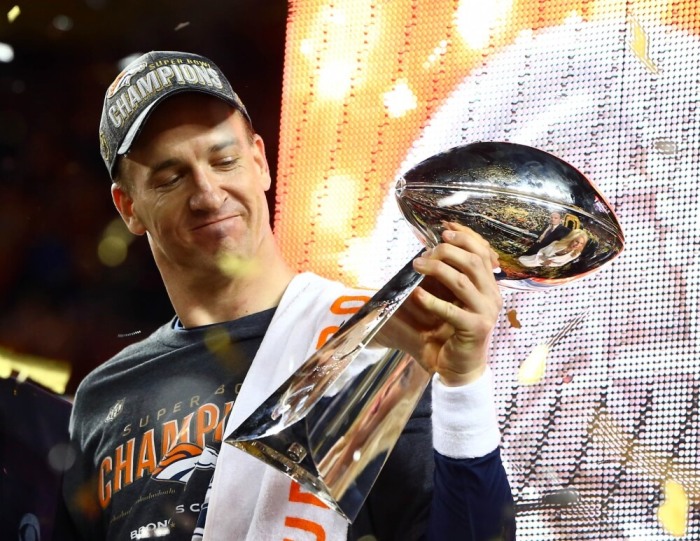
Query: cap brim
[[140, 120]]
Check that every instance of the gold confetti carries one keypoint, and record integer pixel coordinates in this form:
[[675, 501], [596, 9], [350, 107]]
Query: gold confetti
[[533, 368], [236, 267], [113, 249], [513, 319], [673, 512], [13, 14], [640, 45], [650, 464], [217, 341]]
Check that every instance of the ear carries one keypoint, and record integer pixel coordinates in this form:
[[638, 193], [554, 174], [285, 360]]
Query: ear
[[125, 206], [261, 161]]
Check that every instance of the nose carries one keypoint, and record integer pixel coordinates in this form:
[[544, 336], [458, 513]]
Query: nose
[[207, 195]]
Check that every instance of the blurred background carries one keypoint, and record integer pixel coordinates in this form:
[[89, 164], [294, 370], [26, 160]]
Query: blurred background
[[70, 289]]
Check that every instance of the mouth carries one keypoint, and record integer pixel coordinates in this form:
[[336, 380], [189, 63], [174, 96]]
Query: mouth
[[214, 222]]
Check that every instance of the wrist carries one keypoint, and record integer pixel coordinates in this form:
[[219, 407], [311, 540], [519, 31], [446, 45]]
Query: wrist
[[450, 378], [465, 420]]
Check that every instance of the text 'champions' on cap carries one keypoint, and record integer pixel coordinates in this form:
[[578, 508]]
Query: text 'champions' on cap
[[145, 83]]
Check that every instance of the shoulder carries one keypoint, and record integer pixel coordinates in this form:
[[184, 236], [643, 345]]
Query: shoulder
[[321, 293], [130, 356], [331, 286], [316, 307], [107, 385]]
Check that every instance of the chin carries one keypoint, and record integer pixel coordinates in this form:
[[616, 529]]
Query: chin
[[236, 265]]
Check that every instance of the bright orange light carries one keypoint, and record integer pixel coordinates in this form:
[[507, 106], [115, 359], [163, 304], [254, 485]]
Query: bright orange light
[[362, 80]]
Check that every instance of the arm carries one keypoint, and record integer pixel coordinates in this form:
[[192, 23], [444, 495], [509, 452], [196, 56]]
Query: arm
[[472, 497], [472, 500], [425, 493], [446, 324]]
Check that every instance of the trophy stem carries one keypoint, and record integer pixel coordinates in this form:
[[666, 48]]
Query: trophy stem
[[337, 451]]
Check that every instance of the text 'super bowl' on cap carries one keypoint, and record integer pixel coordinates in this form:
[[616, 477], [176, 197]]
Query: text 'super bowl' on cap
[[145, 83]]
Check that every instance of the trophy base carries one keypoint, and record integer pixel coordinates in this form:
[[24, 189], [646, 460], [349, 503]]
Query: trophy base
[[290, 456]]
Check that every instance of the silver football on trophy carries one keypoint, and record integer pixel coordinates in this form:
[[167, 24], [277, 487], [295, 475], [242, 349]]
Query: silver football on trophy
[[546, 221]]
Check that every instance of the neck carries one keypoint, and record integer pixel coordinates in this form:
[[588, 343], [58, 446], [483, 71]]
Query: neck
[[203, 298]]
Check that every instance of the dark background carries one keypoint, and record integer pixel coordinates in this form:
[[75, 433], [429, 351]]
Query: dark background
[[57, 299]]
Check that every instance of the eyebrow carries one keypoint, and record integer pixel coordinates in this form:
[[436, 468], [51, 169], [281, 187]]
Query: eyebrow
[[171, 162]]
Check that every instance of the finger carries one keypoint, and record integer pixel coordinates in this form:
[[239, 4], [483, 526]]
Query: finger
[[458, 318], [401, 329], [462, 283], [475, 240], [459, 265], [460, 235], [414, 314]]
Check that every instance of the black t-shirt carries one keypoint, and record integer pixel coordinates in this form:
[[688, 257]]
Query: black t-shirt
[[149, 423]]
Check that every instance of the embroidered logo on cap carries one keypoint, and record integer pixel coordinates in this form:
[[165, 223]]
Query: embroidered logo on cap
[[162, 75], [124, 78]]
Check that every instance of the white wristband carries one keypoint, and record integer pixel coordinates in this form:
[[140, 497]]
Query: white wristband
[[465, 421]]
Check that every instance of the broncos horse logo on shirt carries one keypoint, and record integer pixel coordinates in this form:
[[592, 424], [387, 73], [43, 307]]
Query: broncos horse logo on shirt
[[179, 463]]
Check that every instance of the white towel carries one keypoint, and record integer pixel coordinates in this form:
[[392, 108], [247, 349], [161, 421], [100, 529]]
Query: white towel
[[250, 501]]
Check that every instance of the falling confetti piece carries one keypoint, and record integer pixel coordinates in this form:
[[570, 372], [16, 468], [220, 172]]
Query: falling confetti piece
[[673, 512], [533, 368], [640, 45], [234, 266], [128, 334], [182, 25], [217, 340], [566, 329], [513, 319], [666, 146], [13, 14]]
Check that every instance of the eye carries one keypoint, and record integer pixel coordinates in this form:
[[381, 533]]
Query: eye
[[167, 182], [226, 163]]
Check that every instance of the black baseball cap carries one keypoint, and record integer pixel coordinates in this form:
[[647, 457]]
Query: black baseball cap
[[145, 83]]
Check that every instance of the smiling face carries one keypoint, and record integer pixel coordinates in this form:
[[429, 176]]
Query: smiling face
[[195, 183], [577, 244]]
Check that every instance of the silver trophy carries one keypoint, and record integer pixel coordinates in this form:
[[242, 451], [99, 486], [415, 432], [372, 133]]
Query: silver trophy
[[333, 423]]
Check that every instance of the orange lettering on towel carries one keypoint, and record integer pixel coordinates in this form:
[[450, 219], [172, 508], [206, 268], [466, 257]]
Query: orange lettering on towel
[[345, 304], [348, 304], [297, 495], [307, 526]]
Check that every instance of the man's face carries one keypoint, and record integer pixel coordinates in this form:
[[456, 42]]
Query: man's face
[[555, 218], [196, 184]]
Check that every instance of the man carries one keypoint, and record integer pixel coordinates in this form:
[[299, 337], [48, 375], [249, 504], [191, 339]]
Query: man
[[189, 172], [553, 232]]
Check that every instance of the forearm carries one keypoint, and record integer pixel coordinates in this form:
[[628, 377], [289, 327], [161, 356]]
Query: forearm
[[471, 501], [472, 497]]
